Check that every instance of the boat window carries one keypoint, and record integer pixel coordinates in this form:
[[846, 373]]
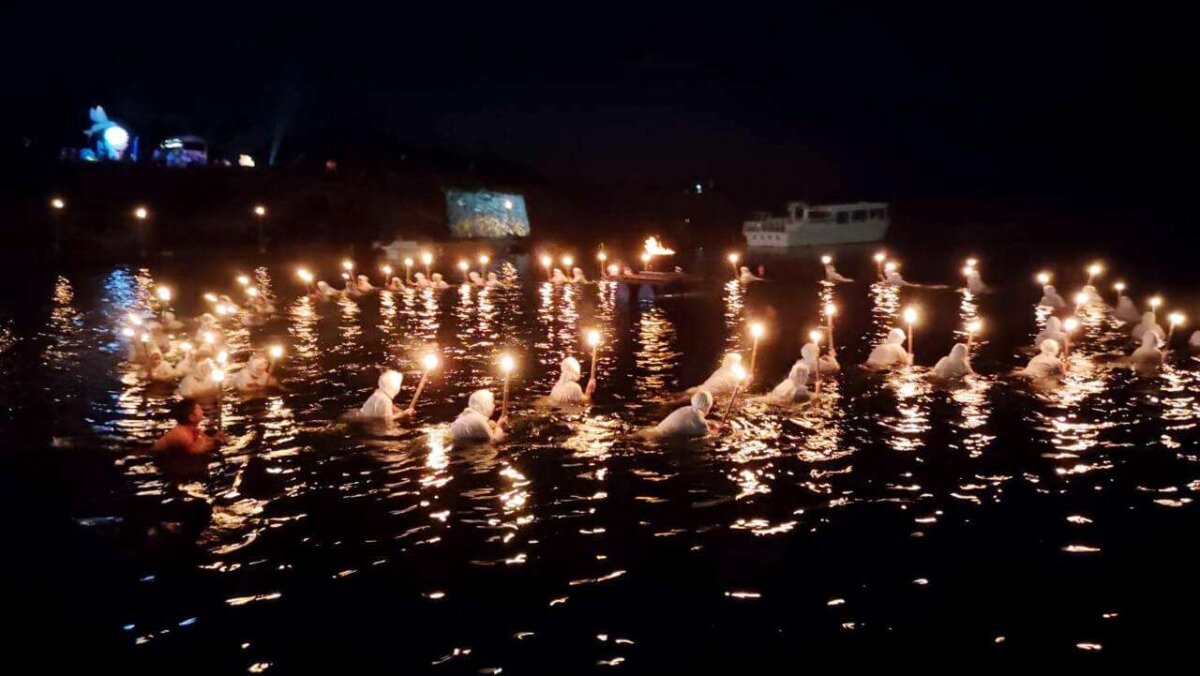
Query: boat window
[[876, 214], [843, 217], [860, 215], [815, 215]]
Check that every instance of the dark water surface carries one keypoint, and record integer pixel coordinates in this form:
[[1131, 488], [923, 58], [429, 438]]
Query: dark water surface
[[895, 517]]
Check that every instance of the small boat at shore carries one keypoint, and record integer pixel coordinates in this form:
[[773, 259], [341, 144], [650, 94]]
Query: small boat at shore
[[806, 225]]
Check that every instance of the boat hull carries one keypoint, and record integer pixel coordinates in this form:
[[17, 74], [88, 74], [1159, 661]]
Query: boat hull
[[815, 234]]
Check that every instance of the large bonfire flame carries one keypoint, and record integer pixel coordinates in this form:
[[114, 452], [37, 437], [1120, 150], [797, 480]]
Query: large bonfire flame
[[653, 248]]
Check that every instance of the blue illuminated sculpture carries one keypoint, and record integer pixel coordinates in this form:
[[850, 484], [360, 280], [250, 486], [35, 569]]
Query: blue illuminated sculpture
[[486, 214], [113, 142]]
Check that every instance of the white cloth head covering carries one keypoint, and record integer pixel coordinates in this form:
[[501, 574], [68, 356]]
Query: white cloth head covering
[[472, 424], [379, 404], [955, 365]]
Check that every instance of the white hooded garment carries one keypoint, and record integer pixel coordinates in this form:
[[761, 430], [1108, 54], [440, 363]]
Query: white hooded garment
[[493, 279], [723, 380], [199, 383], [419, 280], [1194, 339], [473, 424], [1051, 299], [474, 278], [161, 372], [253, 376], [793, 388], [832, 275], [1147, 357], [1126, 311], [975, 282], [437, 282], [379, 404], [325, 290], [557, 277], [171, 322], [1046, 364], [1148, 325], [364, 284], [577, 275], [567, 389], [744, 275], [687, 421], [814, 360], [890, 353], [1052, 331], [954, 366], [893, 278]]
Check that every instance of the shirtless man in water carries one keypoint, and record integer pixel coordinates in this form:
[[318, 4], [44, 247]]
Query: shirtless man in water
[[186, 436]]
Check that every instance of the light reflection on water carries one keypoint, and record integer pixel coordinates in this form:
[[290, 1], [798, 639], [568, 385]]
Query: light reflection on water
[[574, 527]]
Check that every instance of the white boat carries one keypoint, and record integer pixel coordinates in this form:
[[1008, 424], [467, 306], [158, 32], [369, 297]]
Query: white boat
[[807, 225]]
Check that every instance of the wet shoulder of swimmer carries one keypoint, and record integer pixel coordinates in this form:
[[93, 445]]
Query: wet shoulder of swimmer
[[475, 422], [187, 436], [380, 406], [686, 422]]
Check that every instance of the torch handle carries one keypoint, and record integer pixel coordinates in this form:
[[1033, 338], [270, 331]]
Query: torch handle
[[595, 349], [732, 399], [420, 386], [504, 398]]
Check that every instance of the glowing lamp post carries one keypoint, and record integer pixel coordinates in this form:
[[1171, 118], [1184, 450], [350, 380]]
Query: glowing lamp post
[[910, 318], [274, 354], [507, 364], [1081, 299], [1119, 287], [1174, 319], [387, 274], [348, 267], [739, 377], [646, 261], [141, 214], [484, 259], [306, 277], [1094, 271], [547, 261], [408, 263], [593, 341], [973, 327], [972, 262], [243, 280], [568, 261], [463, 267], [1043, 278], [427, 259], [826, 259], [601, 257], [260, 213], [613, 270], [428, 363], [1155, 302], [57, 205], [879, 259], [757, 331], [733, 259], [830, 311], [815, 337], [163, 293], [218, 378], [1069, 327]]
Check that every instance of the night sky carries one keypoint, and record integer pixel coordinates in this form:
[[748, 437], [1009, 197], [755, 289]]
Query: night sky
[[962, 99]]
